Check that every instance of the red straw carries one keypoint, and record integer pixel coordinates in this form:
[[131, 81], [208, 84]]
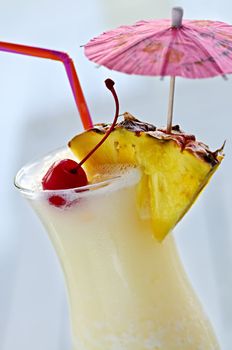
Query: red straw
[[70, 70]]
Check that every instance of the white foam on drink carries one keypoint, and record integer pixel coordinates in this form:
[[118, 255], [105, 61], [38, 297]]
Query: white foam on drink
[[29, 178]]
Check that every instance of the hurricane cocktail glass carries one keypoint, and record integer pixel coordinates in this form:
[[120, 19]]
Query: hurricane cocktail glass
[[126, 290]]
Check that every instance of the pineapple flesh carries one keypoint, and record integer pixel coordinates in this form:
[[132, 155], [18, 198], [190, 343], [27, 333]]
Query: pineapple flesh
[[175, 167]]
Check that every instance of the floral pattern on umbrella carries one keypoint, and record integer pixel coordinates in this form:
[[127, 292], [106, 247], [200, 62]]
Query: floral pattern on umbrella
[[189, 48], [197, 49]]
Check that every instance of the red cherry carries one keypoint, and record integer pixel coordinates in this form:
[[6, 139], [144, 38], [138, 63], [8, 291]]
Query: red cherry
[[67, 173], [57, 201], [64, 174]]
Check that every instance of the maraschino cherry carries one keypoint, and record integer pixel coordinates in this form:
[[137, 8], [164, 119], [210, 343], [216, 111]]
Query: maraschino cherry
[[67, 173], [64, 174]]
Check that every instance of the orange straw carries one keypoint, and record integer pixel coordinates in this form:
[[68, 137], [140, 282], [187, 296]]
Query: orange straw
[[70, 70]]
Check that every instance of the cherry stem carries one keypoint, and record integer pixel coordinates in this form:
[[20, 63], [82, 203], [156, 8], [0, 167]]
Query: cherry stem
[[110, 85]]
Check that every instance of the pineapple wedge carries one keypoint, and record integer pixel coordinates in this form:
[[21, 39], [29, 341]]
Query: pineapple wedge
[[175, 167]]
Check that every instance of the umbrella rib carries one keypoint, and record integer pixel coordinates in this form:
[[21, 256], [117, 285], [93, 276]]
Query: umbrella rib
[[116, 54], [167, 54], [204, 49]]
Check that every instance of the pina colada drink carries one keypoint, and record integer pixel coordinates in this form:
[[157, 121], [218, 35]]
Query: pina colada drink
[[110, 212], [127, 290]]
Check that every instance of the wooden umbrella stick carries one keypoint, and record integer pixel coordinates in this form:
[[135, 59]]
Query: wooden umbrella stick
[[170, 104]]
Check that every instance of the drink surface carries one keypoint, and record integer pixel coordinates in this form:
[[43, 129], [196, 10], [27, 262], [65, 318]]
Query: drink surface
[[126, 290]]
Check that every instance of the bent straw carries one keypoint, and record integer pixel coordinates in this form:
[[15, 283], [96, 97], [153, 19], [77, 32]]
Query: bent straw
[[70, 70]]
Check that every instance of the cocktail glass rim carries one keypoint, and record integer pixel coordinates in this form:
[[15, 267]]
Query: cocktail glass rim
[[32, 191]]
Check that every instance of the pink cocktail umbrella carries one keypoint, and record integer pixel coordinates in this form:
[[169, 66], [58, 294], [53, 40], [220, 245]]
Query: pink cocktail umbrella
[[188, 48]]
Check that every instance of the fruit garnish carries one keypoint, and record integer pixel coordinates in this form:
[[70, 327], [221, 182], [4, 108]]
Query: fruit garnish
[[66, 173], [175, 167]]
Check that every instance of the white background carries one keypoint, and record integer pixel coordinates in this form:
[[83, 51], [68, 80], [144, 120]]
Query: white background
[[38, 114]]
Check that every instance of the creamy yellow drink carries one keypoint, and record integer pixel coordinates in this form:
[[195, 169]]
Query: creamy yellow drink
[[127, 291]]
